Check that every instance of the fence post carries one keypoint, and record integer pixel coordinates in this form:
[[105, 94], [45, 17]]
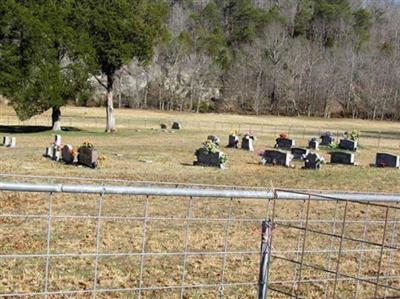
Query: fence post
[[266, 233]]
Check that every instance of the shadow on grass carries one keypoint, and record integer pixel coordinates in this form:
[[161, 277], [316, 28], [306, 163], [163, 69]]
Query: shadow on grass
[[33, 129]]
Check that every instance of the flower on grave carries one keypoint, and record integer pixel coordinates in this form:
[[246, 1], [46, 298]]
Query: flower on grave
[[353, 135], [233, 133], [283, 135], [87, 144]]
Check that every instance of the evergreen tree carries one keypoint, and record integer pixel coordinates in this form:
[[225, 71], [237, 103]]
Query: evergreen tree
[[119, 30], [40, 62]]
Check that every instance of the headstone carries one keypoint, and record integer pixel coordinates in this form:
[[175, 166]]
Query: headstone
[[87, 156], [6, 140], [68, 154], [387, 160], [342, 158], [247, 143], [284, 143], [233, 141], [313, 144], [176, 126], [57, 155], [327, 139], [163, 126], [57, 140], [299, 153], [348, 145], [205, 158], [48, 152], [13, 142], [277, 157], [214, 139], [313, 161]]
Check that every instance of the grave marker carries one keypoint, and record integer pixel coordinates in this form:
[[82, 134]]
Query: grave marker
[[13, 142], [313, 144], [6, 140], [299, 153], [163, 126], [387, 160], [57, 140], [68, 154], [313, 161], [276, 157], [284, 143], [327, 139], [247, 142], [87, 156], [176, 126], [233, 141], [342, 158], [347, 144], [57, 155]]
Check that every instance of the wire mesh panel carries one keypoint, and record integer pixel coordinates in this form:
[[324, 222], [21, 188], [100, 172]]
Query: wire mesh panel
[[120, 246], [335, 249], [112, 242]]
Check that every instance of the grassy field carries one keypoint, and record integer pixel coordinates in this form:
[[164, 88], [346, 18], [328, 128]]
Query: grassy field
[[169, 156], [140, 151]]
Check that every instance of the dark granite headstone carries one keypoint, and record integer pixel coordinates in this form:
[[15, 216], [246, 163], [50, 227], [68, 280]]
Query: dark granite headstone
[[342, 158], [348, 145], [284, 143], [313, 144], [87, 156], [214, 139], [233, 141], [387, 160], [67, 154], [205, 158], [176, 126], [247, 143], [277, 157], [299, 153], [313, 161], [163, 126], [327, 139]]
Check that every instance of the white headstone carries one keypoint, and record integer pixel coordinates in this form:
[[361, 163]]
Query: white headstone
[[49, 152], [57, 140], [6, 140], [13, 142]]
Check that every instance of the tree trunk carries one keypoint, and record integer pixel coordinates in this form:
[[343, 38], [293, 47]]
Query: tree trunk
[[55, 119], [110, 126]]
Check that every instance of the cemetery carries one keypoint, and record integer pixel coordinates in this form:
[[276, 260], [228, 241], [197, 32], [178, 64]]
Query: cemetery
[[170, 152], [86, 154]]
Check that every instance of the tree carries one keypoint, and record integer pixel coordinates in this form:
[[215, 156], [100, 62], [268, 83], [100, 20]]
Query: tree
[[40, 65], [119, 30]]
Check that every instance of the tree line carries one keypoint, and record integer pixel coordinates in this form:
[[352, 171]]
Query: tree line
[[284, 57]]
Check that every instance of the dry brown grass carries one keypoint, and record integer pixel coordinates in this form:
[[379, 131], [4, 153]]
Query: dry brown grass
[[171, 156]]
